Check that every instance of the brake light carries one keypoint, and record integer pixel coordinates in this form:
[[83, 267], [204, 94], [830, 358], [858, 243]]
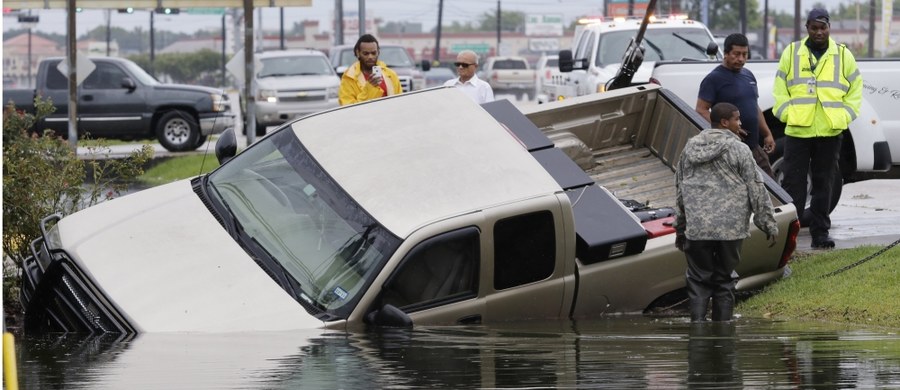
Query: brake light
[[655, 81], [495, 76], [791, 244], [548, 75]]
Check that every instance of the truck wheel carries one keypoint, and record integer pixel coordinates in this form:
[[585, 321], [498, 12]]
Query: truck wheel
[[200, 140], [260, 129], [178, 131]]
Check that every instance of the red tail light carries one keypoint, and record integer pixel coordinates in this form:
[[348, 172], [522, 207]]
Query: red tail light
[[494, 76], [548, 75], [655, 81], [791, 244]]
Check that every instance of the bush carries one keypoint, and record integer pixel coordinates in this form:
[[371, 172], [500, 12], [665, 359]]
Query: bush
[[43, 175]]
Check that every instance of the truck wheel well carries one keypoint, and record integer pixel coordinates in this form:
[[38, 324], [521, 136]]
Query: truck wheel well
[[160, 111]]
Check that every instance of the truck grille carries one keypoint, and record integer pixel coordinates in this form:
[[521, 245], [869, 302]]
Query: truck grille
[[406, 83], [302, 95]]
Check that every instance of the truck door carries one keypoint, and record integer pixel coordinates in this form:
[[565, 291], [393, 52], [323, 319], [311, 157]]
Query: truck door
[[529, 274], [437, 281], [105, 106], [584, 51]]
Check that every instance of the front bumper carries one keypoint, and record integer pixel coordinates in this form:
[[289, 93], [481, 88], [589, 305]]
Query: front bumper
[[59, 297], [273, 114], [215, 123]]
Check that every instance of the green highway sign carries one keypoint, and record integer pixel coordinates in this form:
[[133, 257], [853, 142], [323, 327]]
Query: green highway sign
[[205, 11], [480, 48]]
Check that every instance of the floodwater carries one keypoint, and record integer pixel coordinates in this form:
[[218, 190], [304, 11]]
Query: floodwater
[[613, 353]]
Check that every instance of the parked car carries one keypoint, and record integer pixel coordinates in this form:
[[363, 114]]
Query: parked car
[[437, 76], [546, 68], [119, 100], [291, 84], [509, 75], [394, 56]]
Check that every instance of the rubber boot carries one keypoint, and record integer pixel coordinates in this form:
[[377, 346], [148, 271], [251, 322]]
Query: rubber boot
[[698, 310], [722, 307]]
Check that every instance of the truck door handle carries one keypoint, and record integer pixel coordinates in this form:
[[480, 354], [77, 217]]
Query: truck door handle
[[474, 319], [87, 98]]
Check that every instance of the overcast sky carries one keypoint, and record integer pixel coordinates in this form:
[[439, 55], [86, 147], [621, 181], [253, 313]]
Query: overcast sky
[[416, 11]]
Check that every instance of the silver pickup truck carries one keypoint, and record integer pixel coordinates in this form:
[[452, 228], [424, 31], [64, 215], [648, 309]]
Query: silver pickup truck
[[555, 212]]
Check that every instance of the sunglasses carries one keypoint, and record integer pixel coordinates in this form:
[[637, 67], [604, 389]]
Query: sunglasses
[[462, 64]]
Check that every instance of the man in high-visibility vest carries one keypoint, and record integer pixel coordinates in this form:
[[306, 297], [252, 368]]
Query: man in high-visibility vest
[[818, 92]]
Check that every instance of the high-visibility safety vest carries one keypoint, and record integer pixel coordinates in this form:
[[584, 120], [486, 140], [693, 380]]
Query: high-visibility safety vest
[[817, 98]]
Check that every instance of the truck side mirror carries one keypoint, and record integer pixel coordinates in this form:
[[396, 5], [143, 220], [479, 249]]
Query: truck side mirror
[[226, 146], [128, 84], [565, 61], [712, 49], [426, 65], [389, 316]]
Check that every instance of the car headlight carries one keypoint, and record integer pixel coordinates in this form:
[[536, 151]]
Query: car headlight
[[266, 95], [219, 102], [332, 93]]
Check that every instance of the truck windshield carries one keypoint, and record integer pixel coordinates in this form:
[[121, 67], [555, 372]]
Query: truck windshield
[[295, 66], [392, 56], [285, 204], [666, 44], [140, 74]]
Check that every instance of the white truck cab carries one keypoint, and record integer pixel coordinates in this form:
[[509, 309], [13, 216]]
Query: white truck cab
[[600, 45]]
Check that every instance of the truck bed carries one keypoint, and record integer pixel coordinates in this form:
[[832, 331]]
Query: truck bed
[[618, 145], [634, 173]]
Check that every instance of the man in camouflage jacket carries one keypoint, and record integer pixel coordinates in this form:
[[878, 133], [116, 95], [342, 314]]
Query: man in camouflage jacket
[[717, 186]]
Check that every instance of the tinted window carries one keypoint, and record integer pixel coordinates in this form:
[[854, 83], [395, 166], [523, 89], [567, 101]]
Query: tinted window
[[524, 249], [509, 64], [295, 66], [443, 268], [55, 79], [105, 76]]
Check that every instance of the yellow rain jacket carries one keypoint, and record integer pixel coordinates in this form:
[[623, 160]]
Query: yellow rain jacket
[[355, 88], [818, 101]]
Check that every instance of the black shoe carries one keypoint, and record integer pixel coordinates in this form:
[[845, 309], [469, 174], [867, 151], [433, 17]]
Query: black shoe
[[823, 242]]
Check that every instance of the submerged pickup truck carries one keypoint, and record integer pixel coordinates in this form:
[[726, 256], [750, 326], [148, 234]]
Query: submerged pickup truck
[[557, 212], [872, 143], [119, 100]]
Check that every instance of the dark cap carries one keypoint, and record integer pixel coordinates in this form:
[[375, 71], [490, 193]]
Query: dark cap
[[818, 15]]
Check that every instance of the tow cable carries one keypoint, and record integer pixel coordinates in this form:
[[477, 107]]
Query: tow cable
[[870, 257]]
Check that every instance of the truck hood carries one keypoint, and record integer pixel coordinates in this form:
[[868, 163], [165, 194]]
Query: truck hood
[[642, 76], [167, 265], [299, 82], [189, 88]]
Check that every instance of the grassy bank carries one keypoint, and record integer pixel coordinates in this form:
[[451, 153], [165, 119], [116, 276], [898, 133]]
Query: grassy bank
[[866, 294], [178, 168]]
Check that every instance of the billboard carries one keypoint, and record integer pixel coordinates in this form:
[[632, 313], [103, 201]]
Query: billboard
[[545, 25]]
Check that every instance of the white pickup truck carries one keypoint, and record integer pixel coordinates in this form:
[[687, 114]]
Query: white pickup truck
[[873, 142], [326, 223], [599, 47]]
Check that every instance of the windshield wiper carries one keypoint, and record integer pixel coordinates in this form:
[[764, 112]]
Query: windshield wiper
[[262, 76], [690, 43], [655, 48]]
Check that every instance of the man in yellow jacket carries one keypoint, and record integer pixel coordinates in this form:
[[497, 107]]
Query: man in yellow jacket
[[818, 92], [361, 81]]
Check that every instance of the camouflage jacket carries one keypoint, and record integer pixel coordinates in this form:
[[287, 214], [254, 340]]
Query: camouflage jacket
[[717, 186]]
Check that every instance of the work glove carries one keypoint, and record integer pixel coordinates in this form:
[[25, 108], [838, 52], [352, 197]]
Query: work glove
[[771, 239]]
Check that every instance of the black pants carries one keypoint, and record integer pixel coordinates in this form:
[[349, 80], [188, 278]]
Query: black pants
[[710, 274], [818, 158]]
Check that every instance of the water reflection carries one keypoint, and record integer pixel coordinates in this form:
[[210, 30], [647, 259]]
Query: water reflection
[[621, 352]]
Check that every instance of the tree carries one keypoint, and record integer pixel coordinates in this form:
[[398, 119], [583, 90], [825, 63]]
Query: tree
[[509, 21], [725, 14], [42, 176], [185, 68]]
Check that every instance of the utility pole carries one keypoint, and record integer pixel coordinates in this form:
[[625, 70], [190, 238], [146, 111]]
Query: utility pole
[[437, 43], [281, 12], [797, 20], [224, 60], [338, 22], [872, 28], [743, 10], [765, 45], [498, 27], [108, 34], [362, 17], [152, 45]]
